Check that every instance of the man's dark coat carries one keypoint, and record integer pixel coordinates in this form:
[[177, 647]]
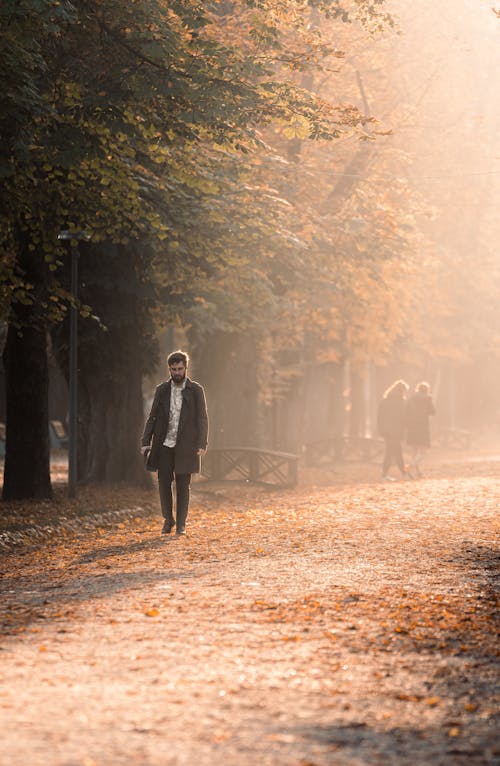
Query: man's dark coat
[[192, 434]]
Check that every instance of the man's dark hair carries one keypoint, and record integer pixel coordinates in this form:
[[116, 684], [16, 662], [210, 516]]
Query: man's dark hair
[[178, 356]]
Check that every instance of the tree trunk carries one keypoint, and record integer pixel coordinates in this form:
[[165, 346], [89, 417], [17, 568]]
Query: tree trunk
[[27, 455], [114, 431], [27, 447], [111, 363], [226, 365], [357, 411], [337, 412], [110, 423]]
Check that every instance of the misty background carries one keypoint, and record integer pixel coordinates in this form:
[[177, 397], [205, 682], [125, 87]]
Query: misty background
[[307, 249]]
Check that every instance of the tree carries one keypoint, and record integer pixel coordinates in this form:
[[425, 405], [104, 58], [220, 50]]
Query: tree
[[349, 245], [107, 102]]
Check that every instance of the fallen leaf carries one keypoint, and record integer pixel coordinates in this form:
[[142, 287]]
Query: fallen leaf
[[432, 701]]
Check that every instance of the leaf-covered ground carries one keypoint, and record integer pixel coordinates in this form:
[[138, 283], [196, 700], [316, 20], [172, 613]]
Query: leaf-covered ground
[[344, 622]]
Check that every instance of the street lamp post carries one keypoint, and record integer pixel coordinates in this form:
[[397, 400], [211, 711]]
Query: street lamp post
[[74, 238]]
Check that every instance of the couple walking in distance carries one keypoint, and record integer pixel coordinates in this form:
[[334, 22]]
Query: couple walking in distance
[[175, 439], [398, 416]]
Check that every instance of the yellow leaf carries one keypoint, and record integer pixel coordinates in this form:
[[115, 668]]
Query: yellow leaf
[[152, 612], [454, 731], [432, 701], [470, 707], [297, 127]]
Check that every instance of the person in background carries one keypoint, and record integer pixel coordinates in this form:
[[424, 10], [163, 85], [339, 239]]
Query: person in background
[[418, 433], [391, 423], [177, 429]]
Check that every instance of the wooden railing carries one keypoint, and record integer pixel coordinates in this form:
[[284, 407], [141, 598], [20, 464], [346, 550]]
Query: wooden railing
[[250, 464], [454, 438], [353, 448]]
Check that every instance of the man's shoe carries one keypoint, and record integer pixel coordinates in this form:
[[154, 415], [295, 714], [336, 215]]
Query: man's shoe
[[167, 527], [181, 531]]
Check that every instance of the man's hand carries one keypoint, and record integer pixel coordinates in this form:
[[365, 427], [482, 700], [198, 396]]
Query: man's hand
[[143, 449], [201, 452]]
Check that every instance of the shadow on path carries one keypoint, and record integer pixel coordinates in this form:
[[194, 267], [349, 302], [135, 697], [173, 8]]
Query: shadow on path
[[353, 742], [123, 550], [25, 601]]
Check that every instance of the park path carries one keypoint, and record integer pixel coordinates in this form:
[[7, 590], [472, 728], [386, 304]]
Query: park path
[[342, 624]]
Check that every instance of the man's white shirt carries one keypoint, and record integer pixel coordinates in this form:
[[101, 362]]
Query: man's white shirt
[[175, 413]]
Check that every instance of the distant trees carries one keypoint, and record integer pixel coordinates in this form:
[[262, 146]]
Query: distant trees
[[339, 288]]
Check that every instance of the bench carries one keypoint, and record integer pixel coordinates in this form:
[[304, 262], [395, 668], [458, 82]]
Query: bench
[[58, 435], [258, 466]]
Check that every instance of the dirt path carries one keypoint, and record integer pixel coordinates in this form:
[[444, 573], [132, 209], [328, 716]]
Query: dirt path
[[327, 625]]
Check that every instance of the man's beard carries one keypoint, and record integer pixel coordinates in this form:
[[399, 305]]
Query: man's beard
[[178, 377]]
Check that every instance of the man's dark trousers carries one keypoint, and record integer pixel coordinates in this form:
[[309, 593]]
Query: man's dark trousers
[[182, 481]]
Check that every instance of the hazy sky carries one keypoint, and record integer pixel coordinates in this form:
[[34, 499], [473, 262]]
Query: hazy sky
[[445, 71], [449, 55]]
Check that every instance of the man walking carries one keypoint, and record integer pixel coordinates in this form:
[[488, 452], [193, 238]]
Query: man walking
[[177, 429]]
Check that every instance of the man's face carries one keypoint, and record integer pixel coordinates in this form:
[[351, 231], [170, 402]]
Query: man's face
[[177, 372]]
